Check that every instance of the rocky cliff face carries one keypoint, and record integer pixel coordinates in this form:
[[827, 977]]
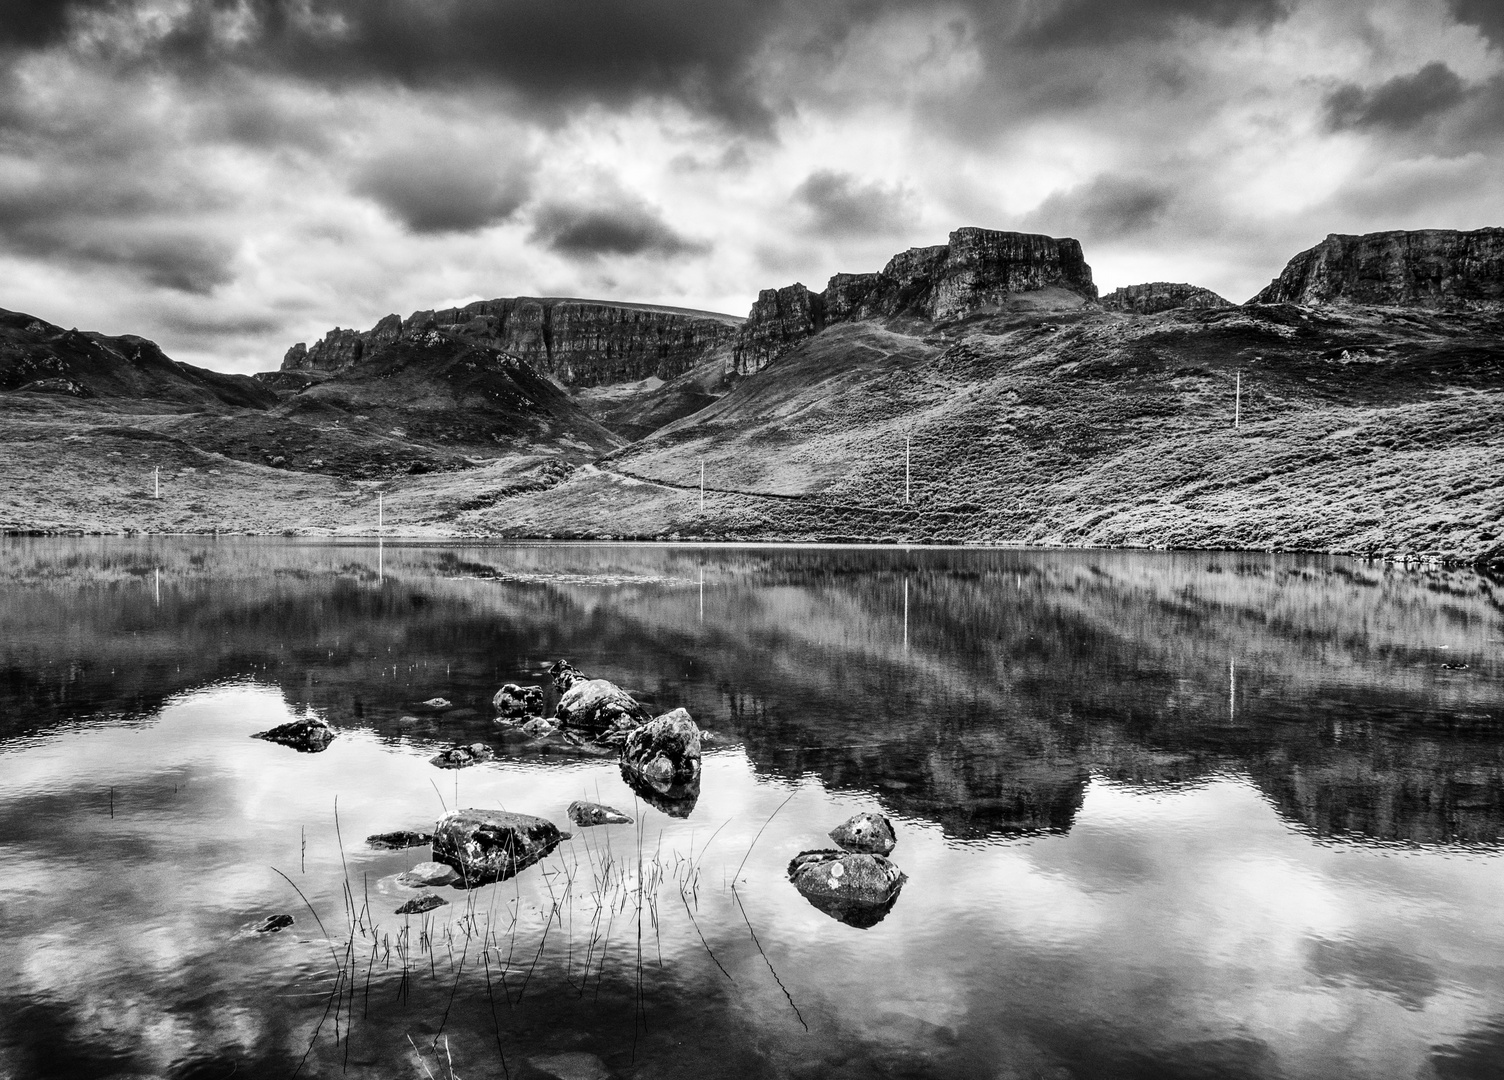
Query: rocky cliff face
[[1434, 268], [1156, 296], [580, 342], [978, 270]]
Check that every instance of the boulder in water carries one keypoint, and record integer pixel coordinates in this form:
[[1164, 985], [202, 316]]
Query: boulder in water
[[664, 752], [492, 845], [872, 833], [419, 904], [516, 702], [564, 675], [857, 888], [395, 841], [599, 705], [458, 757], [585, 814], [308, 735]]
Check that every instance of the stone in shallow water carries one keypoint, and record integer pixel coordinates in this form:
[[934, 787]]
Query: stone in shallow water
[[427, 874], [492, 845], [458, 757], [308, 735], [437, 703], [419, 904], [394, 841], [857, 888], [872, 833], [588, 813], [273, 924], [665, 752]]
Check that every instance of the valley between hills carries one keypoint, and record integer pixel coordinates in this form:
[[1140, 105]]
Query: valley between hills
[[979, 391]]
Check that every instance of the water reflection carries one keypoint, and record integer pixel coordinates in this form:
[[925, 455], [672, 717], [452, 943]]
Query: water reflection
[[1160, 814]]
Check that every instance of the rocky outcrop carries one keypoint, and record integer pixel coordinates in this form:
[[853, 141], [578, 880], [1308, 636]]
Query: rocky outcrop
[[977, 271], [579, 342], [1430, 268], [1153, 297], [492, 845], [780, 319]]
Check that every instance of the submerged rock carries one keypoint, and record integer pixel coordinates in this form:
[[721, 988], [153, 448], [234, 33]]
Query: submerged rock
[[871, 833], [857, 888], [588, 813], [394, 841], [458, 757], [419, 904], [273, 924], [515, 701], [665, 752], [308, 735], [437, 703], [492, 845], [537, 727], [427, 874]]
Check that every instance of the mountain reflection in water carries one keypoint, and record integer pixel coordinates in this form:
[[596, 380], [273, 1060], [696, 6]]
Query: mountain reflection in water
[[1198, 814]]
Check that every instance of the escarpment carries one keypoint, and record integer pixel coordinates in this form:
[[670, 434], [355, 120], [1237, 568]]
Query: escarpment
[[1153, 297], [579, 342], [1430, 268], [978, 270]]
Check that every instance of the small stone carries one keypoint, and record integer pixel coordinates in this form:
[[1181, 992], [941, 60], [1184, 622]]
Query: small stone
[[273, 924], [428, 874], [436, 703], [586, 814], [538, 727], [515, 701], [419, 904], [459, 757]]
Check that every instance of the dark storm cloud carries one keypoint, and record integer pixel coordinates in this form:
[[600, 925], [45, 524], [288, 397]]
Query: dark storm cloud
[[553, 51], [1402, 103], [108, 211], [35, 23], [1486, 15], [1106, 208], [841, 205], [444, 191], [1108, 22], [623, 227]]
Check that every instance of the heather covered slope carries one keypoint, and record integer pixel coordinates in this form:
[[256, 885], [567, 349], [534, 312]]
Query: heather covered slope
[[1361, 430]]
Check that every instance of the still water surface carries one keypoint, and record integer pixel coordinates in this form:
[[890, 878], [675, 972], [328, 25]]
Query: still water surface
[[1162, 815]]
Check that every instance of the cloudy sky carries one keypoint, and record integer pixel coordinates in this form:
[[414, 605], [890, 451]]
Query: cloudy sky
[[230, 176]]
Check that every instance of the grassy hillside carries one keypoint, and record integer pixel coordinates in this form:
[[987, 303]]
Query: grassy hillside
[[1362, 430], [1369, 431]]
